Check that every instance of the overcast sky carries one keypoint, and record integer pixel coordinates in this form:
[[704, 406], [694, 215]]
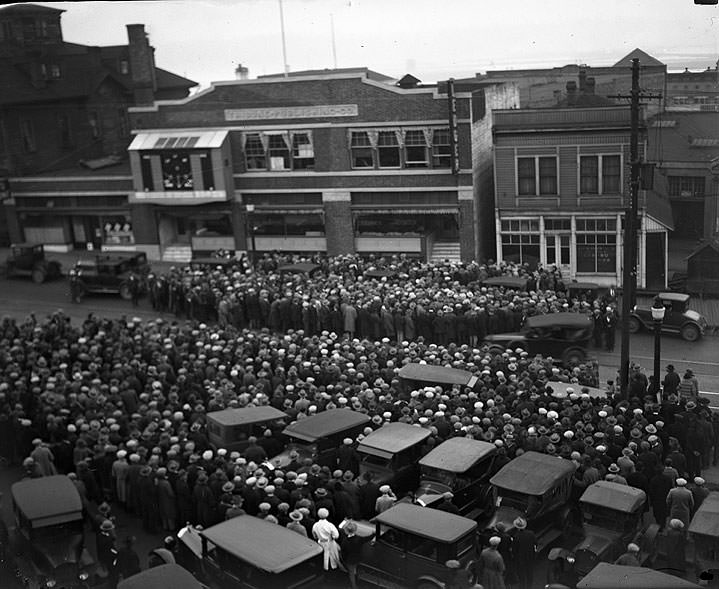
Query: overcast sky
[[432, 39]]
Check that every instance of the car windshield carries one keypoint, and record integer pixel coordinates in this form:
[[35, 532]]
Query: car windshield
[[377, 461], [439, 475], [526, 503], [58, 532]]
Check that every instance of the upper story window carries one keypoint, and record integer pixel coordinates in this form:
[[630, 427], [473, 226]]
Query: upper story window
[[537, 176], [280, 150], [686, 186], [176, 170], [362, 150], [388, 149], [400, 148], [415, 149], [600, 174], [441, 149]]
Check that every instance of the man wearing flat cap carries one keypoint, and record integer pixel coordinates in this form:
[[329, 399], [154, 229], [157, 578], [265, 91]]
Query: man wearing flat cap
[[490, 566]]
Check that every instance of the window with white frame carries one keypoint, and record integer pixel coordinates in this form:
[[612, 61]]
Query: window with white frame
[[596, 245], [255, 156], [537, 176], [388, 149], [278, 150], [441, 149], [415, 149], [362, 150], [600, 174], [686, 185], [520, 241], [303, 153]]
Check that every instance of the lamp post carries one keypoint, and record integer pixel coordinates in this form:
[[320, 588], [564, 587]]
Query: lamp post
[[658, 317]]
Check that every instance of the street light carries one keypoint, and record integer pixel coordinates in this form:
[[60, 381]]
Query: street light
[[658, 311]]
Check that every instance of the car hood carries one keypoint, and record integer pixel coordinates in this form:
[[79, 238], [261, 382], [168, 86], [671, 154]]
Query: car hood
[[500, 337], [430, 492], [597, 540], [506, 516], [693, 315]]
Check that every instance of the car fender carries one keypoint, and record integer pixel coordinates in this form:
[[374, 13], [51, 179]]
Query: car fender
[[638, 317], [429, 580]]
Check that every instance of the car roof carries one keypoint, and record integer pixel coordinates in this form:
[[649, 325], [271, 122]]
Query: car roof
[[560, 320], [614, 496], [47, 501], [438, 374], [458, 454], [507, 281], [426, 522], [166, 575], [674, 296], [706, 518], [262, 544], [532, 473], [298, 268], [392, 438], [246, 415], [615, 576], [325, 423]]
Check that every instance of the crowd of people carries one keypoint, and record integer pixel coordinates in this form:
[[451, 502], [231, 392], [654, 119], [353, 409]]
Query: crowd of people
[[120, 406]]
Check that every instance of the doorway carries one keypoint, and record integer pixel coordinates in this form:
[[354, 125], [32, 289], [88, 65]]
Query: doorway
[[558, 250]]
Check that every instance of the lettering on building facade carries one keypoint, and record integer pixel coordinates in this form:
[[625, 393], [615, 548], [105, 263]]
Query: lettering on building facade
[[291, 112]]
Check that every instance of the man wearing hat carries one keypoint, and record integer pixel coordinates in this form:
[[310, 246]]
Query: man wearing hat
[[699, 493], [523, 551], [675, 543], [671, 382], [351, 549], [107, 551], [386, 499], [680, 502], [294, 523], [490, 566], [630, 557], [447, 505]]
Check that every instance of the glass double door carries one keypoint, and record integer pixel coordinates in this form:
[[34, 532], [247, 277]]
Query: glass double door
[[558, 252]]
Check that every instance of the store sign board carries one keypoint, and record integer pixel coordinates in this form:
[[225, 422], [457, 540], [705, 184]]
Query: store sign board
[[318, 111]]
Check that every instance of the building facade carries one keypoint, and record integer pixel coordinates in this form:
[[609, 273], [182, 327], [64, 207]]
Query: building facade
[[64, 129], [561, 188], [693, 91], [320, 162]]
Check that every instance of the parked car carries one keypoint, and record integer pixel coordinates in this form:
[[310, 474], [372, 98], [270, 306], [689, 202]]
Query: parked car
[[28, 259], [412, 545], [563, 336], [109, 273], [536, 487], [319, 436], [232, 428], [391, 454], [247, 552], [48, 541], [611, 519], [615, 576], [461, 466], [591, 291], [166, 575], [415, 375], [678, 318], [704, 531]]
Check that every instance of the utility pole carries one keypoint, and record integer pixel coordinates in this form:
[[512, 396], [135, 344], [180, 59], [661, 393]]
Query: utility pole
[[629, 269]]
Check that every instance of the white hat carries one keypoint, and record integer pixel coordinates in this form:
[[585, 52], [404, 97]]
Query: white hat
[[681, 482], [495, 541]]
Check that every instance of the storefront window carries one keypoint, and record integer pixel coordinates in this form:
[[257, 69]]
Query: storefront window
[[596, 245], [398, 225], [117, 231], [176, 170], [281, 224]]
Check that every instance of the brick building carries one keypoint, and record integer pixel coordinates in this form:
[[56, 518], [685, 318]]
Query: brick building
[[64, 128], [561, 188], [334, 161], [693, 91]]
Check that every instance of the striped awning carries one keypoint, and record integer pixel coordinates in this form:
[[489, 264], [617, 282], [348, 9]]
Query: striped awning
[[274, 211], [403, 211], [189, 139]]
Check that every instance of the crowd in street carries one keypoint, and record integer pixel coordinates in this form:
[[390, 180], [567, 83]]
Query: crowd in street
[[120, 406]]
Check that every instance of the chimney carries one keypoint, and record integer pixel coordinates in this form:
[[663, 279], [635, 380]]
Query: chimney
[[590, 86], [582, 80], [142, 65], [571, 93], [241, 72]]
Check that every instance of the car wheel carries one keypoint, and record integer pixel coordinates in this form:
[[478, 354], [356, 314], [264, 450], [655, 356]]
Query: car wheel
[[125, 291], [634, 325], [690, 333], [38, 275], [573, 357]]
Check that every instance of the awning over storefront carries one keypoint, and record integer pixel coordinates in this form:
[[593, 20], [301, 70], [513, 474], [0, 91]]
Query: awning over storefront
[[270, 211], [176, 197], [187, 139], [399, 211], [660, 209]]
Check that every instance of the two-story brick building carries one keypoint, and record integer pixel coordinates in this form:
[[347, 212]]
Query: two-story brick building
[[562, 186], [64, 128], [332, 161]]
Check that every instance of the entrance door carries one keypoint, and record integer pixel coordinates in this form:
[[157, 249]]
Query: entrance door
[[558, 251]]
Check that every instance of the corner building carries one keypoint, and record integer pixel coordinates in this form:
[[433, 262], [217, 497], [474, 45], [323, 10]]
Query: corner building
[[340, 161]]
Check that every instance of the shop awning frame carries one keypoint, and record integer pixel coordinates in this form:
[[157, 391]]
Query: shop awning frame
[[190, 139]]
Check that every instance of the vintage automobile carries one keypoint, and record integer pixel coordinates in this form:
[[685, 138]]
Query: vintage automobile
[[611, 519], [704, 531], [563, 336], [232, 428], [678, 318], [614, 576], [391, 452], [108, 273], [590, 291], [247, 552], [223, 263], [319, 436], [415, 375], [28, 259], [520, 283], [166, 575], [412, 545], [536, 487], [48, 541], [461, 466]]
